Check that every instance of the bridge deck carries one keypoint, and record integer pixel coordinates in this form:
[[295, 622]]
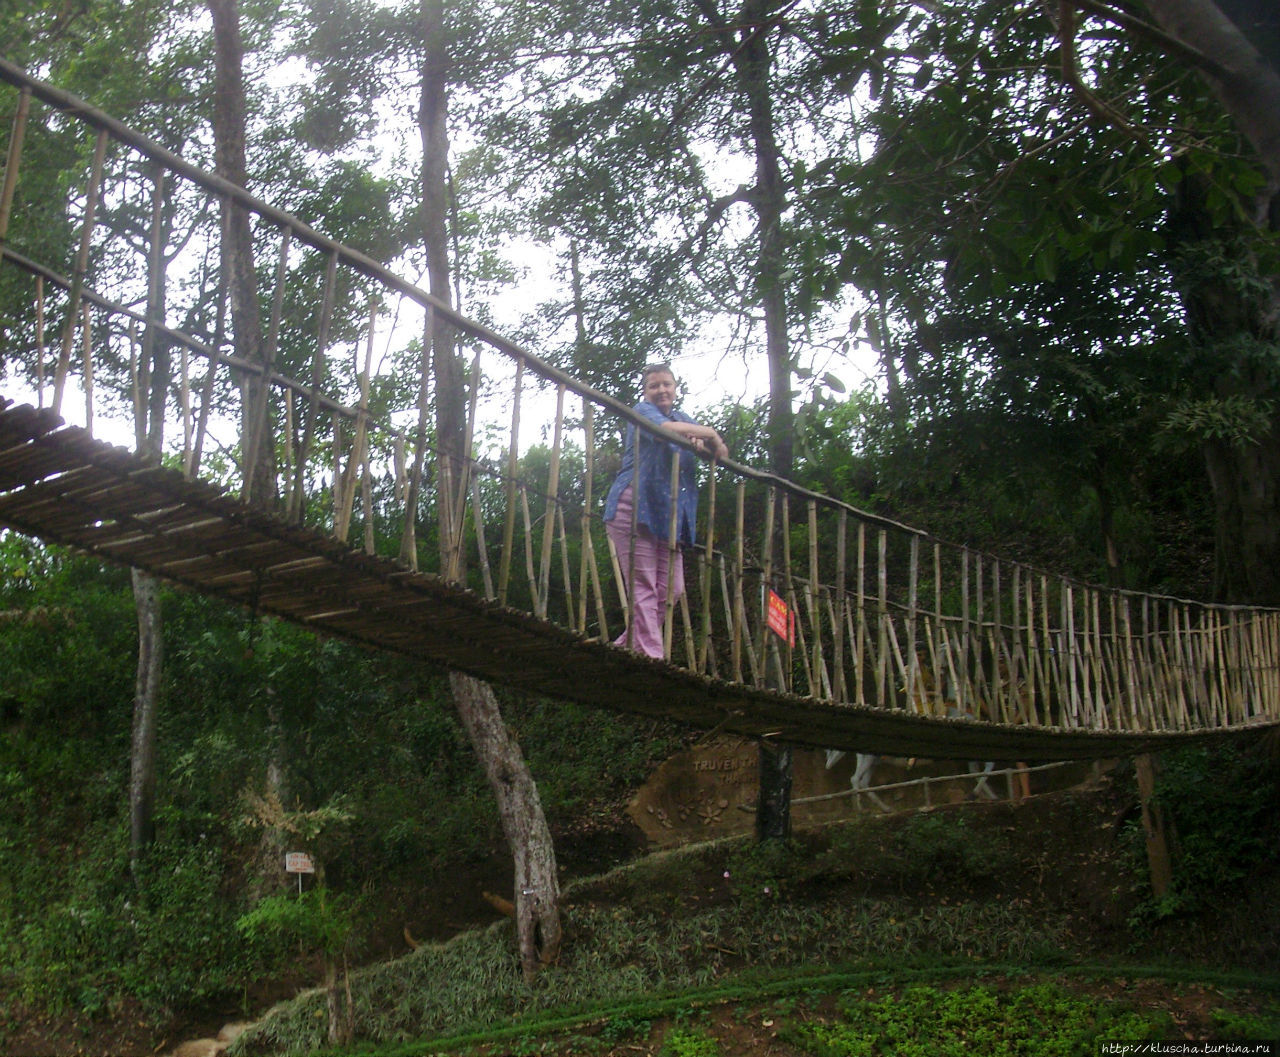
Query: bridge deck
[[59, 484]]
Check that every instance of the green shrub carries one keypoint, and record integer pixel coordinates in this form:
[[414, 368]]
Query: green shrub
[[1221, 802], [931, 1022], [688, 1042], [941, 845]]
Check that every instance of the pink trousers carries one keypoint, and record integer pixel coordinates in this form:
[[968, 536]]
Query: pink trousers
[[649, 592]]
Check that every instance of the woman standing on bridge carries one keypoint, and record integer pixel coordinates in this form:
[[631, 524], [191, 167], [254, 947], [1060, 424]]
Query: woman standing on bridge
[[645, 495]]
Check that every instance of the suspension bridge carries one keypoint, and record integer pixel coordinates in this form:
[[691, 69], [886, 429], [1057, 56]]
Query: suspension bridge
[[887, 634]]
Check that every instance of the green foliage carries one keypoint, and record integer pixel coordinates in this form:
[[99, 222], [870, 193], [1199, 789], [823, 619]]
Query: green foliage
[[945, 847], [81, 933], [186, 949], [382, 780], [760, 872], [316, 920], [1040, 1019], [1236, 420], [1221, 803], [625, 1029], [1247, 1027], [930, 850], [688, 1042], [620, 952]]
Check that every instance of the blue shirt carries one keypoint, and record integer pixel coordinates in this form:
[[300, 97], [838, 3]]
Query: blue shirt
[[651, 498]]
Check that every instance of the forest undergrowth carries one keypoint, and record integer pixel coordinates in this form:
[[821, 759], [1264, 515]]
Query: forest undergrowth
[[999, 912]]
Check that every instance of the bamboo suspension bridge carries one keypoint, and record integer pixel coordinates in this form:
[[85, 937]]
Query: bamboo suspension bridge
[[885, 630]]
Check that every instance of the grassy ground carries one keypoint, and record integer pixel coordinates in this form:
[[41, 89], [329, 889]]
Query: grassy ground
[[853, 939]]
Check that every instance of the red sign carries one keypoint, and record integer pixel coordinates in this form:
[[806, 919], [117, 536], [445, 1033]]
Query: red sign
[[782, 621]]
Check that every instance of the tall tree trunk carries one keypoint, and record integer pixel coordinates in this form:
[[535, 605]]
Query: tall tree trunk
[[146, 704], [151, 388], [1221, 313], [747, 43], [754, 66], [238, 267], [537, 886], [237, 248]]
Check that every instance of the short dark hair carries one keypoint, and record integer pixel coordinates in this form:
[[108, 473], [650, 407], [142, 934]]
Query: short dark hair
[[655, 368]]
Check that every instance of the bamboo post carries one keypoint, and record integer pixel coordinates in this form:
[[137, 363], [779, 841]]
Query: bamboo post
[[40, 349], [739, 603], [1075, 652], [135, 390], [149, 417], [87, 336], [184, 404], [13, 161], [1130, 675], [938, 636], [1098, 703], [1052, 684], [564, 565], [1036, 684], [783, 659], [793, 608], [913, 675], [766, 583], [994, 702], [704, 646], [1018, 682], [211, 372], [313, 408], [287, 428], [860, 638], [584, 520], [882, 619], [477, 513], [530, 569], [509, 523], [366, 501], [458, 516], [553, 495], [599, 594], [964, 690], [735, 607], [359, 442], [839, 690], [337, 471], [631, 535], [815, 616], [673, 550], [80, 268], [619, 580], [260, 410]]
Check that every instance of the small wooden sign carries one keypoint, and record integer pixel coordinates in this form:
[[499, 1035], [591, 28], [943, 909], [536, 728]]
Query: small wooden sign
[[298, 862]]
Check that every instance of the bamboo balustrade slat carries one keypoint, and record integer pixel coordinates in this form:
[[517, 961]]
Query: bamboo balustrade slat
[[739, 604], [884, 636], [706, 573], [584, 523], [673, 545], [549, 519], [80, 267], [13, 160], [839, 691]]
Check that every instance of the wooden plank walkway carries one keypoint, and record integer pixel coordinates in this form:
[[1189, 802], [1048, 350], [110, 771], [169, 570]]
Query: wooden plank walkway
[[60, 485]]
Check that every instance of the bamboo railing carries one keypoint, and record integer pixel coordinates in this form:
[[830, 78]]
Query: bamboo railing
[[866, 612]]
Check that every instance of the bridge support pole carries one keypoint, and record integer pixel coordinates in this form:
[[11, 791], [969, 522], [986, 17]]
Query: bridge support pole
[[1153, 824], [773, 805]]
